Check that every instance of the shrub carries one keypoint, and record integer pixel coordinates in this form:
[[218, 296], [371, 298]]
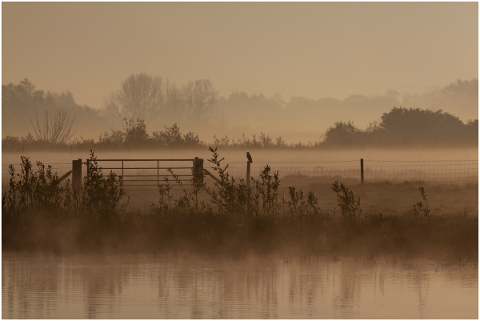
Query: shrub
[[33, 189], [301, 207], [100, 198], [40, 212], [172, 137], [267, 188], [135, 132], [349, 206], [420, 209], [231, 197]]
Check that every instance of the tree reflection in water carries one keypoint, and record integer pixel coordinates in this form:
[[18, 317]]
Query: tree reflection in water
[[188, 286]]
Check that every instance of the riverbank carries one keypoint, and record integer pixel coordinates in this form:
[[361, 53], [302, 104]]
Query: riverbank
[[233, 219], [452, 236]]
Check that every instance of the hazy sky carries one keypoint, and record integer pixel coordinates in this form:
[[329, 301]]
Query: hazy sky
[[308, 49]]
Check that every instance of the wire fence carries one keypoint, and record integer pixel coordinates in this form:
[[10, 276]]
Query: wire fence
[[440, 171]]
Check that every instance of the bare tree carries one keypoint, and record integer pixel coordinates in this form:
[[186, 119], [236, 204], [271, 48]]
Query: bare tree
[[57, 130], [140, 97], [173, 103], [199, 99]]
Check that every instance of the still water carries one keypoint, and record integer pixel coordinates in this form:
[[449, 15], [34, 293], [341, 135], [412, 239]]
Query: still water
[[188, 286]]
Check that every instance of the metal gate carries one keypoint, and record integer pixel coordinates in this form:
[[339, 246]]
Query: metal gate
[[145, 173]]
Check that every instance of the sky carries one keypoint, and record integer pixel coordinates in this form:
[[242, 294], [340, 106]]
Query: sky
[[313, 50]]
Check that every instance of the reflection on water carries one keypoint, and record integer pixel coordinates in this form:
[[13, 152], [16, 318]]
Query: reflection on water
[[268, 287]]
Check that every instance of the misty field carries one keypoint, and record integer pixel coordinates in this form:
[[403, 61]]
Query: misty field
[[275, 214]]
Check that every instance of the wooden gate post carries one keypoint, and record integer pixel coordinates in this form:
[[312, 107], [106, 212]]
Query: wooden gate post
[[361, 169], [77, 173], [88, 169], [198, 170]]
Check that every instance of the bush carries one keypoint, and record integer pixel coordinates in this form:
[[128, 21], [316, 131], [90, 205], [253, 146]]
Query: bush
[[37, 207], [349, 206], [100, 198], [231, 197], [420, 209], [39, 213]]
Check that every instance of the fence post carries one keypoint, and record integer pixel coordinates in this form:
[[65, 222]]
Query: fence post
[[77, 173], [361, 169], [248, 174], [88, 169], [198, 170], [248, 187]]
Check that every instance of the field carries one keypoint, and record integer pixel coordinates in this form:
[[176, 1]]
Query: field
[[291, 213]]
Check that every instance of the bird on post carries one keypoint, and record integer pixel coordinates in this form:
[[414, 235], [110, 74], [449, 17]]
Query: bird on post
[[249, 157]]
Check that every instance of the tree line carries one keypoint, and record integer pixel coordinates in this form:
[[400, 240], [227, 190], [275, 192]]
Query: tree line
[[406, 127], [143, 100], [401, 127], [134, 135], [142, 96]]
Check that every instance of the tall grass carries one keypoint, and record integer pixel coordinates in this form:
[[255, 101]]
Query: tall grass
[[40, 213], [230, 217]]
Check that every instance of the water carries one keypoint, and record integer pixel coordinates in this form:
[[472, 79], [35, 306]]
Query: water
[[188, 286]]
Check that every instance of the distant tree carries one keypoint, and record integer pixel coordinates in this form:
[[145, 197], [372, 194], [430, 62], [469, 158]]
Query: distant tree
[[56, 130], [115, 139], [471, 129], [199, 99], [22, 102], [135, 132], [140, 97], [415, 125], [406, 127], [341, 134], [462, 87], [192, 139], [173, 103], [172, 137], [21, 98]]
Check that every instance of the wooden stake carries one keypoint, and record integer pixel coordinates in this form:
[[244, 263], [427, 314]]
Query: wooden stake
[[361, 169], [77, 173]]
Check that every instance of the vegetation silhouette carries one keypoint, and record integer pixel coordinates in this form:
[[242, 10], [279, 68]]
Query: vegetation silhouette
[[21, 102], [228, 218], [162, 104], [401, 127]]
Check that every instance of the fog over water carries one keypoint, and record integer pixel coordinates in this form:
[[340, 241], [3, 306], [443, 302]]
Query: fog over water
[[361, 120]]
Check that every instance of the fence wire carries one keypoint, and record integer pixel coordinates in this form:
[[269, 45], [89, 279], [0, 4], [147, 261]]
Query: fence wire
[[459, 172], [441, 171]]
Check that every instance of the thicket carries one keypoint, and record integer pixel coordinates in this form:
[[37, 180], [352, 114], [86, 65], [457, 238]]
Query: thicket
[[400, 127], [230, 217], [404, 127], [39, 212], [134, 136]]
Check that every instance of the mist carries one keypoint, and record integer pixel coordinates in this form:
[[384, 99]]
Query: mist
[[289, 70], [240, 160], [298, 120]]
